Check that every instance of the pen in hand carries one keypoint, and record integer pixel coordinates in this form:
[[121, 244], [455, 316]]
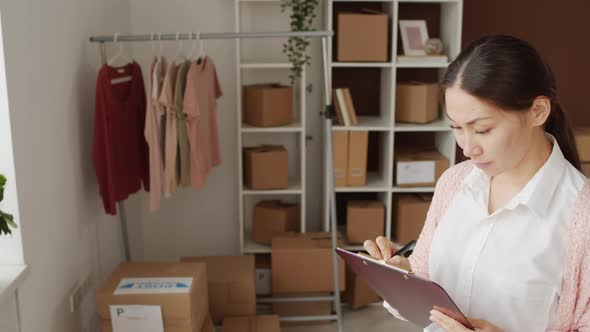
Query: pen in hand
[[408, 248]]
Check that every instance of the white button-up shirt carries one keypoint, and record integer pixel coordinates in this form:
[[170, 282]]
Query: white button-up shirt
[[506, 267]]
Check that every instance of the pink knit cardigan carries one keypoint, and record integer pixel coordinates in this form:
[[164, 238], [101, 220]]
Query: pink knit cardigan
[[573, 311]]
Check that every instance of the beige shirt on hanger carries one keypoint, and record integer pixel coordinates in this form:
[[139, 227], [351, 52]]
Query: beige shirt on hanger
[[170, 138], [152, 133]]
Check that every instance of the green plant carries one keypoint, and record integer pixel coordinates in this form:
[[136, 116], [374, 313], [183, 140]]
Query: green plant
[[302, 16], [6, 219]]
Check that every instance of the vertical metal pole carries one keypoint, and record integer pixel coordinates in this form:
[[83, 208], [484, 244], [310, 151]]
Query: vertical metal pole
[[328, 115], [122, 212]]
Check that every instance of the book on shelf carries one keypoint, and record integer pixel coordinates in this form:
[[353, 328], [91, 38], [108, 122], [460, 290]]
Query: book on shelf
[[337, 109], [420, 59], [350, 107], [345, 111]]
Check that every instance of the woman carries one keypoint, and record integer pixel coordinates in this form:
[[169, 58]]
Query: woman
[[507, 232]]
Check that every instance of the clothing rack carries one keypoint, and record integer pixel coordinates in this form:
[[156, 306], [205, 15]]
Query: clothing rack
[[328, 114]]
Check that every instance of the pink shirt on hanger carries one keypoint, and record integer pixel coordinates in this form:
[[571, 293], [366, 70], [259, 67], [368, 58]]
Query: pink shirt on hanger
[[170, 140], [200, 104]]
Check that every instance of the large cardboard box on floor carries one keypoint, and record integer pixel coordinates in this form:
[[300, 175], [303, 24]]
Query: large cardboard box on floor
[[266, 167], [287, 309], [303, 263], [362, 37], [273, 218], [180, 289], [409, 215], [340, 151], [358, 294], [208, 326], [416, 102], [268, 105], [261, 323], [586, 169], [231, 285], [582, 135], [364, 220], [358, 148], [418, 168]]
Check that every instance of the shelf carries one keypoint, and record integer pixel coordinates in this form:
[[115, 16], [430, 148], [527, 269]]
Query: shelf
[[412, 190], [265, 65], [366, 123], [436, 61], [251, 247], [292, 128], [362, 64], [437, 125], [375, 183], [294, 188], [428, 1], [260, 1]]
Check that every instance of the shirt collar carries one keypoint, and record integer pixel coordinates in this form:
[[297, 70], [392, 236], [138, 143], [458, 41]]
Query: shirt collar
[[536, 194]]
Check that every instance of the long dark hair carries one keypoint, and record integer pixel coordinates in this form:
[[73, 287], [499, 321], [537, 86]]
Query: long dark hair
[[509, 73]]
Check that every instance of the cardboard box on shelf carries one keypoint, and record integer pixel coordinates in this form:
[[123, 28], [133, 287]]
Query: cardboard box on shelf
[[286, 309], [180, 289], [358, 294], [364, 220], [418, 168], [273, 218], [266, 167], [340, 148], [231, 285], [208, 326], [416, 102], [586, 169], [582, 135], [263, 275], [358, 148], [268, 105], [362, 36], [294, 256], [261, 323], [409, 215]]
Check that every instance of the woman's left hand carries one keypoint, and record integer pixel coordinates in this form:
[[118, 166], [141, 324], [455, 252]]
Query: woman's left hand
[[450, 325]]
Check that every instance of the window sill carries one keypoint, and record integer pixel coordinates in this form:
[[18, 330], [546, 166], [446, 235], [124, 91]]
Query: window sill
[[11, 278]]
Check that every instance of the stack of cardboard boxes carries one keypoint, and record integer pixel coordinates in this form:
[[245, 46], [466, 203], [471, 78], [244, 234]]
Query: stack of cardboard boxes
[[582, 135], [192, 294], [302, 266]]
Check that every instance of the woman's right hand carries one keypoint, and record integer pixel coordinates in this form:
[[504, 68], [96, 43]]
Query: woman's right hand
[[383, 249]]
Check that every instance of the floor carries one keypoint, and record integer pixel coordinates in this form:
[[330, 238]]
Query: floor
[[373, 318]]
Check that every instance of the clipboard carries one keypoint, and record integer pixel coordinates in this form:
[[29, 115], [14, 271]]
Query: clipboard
[[411, 295]]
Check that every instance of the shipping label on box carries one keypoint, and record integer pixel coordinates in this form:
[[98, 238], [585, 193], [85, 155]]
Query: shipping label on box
[[409, 172], [154, 286], [144, 318]]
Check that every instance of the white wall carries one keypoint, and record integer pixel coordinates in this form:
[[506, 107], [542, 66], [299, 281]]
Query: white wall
[[206, 222], [51, 72]]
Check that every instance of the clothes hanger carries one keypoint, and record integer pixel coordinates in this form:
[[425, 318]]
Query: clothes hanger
[[180, 57], [153, 43], [202, 53], [121, 55], [194, 53]]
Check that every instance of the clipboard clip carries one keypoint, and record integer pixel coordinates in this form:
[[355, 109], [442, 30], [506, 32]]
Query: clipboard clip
[[399, 267]]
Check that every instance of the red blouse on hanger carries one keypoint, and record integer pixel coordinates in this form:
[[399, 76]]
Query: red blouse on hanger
[[120, 150]]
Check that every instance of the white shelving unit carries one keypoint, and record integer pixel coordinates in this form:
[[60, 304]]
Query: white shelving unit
[[261, 61], [380, 182]]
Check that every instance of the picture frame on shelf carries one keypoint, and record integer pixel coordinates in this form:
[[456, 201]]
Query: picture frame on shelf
[[414, 34]]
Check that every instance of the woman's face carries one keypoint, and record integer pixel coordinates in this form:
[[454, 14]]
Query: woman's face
[[495, 140]]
